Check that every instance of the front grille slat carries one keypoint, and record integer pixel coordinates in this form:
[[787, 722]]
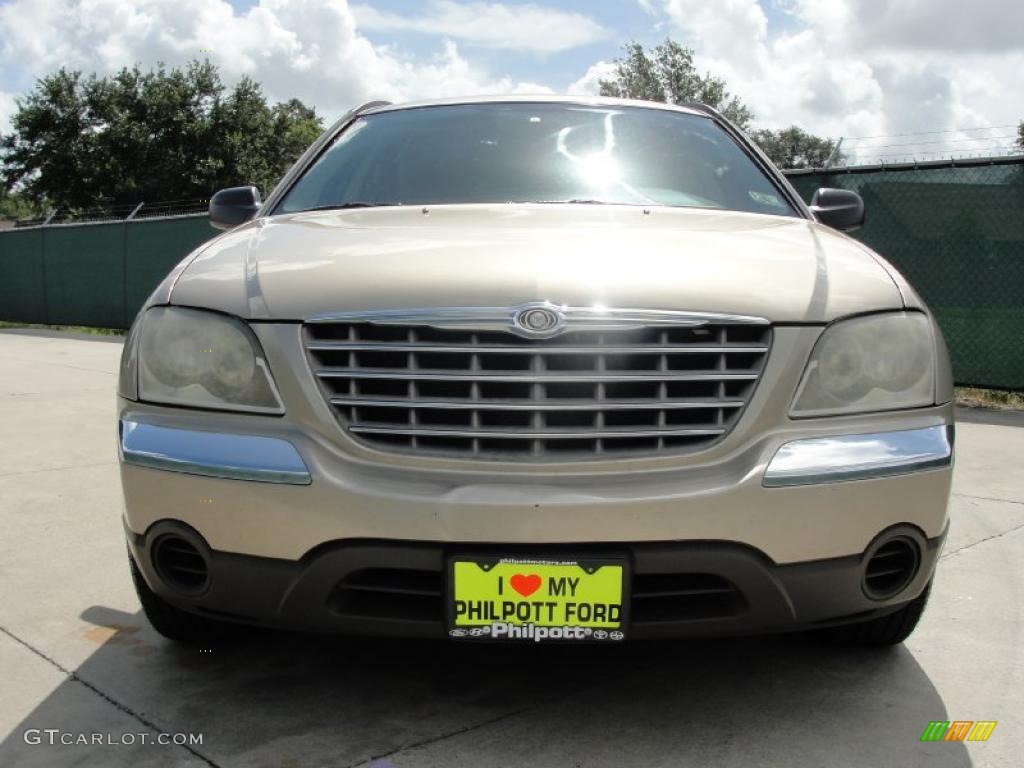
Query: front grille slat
[[452, 375], [600, 404], [671, 597], [493, 394], [685, 592], [674, 349], [537, 433]]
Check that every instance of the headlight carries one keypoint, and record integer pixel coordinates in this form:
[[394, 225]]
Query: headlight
[[873, 363], [203, 360]]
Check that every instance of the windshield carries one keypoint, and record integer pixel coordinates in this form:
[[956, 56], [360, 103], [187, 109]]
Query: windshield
[[535, 153]]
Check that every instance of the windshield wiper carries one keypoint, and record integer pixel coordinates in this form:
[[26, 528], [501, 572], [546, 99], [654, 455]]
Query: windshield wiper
[[343, 206]]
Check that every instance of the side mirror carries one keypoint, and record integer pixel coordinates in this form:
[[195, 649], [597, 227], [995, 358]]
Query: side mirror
[[838, 208], [233, 206]]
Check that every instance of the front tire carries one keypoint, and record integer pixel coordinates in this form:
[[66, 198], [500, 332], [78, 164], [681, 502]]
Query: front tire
[[883, 631], [172, 622]]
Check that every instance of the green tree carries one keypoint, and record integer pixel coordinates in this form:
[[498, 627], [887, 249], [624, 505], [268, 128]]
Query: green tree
[[667, 73], [14, 206], [794, 148], [1020, 135], [83, 141]]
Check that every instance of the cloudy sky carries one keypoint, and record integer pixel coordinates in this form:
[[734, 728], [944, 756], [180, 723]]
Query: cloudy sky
[[835, 67]]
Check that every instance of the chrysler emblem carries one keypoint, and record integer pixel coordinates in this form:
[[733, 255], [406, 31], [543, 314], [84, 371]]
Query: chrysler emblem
[[538, 321]]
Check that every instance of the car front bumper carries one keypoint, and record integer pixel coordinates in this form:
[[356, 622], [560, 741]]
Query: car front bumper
[[283, 521], [786, 493]]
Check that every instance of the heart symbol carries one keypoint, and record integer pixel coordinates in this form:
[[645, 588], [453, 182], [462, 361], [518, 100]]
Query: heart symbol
[[525, 585]]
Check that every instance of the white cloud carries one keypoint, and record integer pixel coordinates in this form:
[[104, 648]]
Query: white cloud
[[527, 27], [447, 74], [736, 26], [308, 49], [590, 83], [868, 67], [7, 110], [928, 25]]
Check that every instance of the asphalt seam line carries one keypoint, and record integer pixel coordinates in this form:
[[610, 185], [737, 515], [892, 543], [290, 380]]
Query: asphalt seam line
[[551, 699], [112, 462], [60, 395], [982, 541], [441, 737], [987, 498], [52, 364], [74, 677]]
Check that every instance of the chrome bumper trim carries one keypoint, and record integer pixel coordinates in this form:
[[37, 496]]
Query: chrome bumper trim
[[859, 457], [212, 454]]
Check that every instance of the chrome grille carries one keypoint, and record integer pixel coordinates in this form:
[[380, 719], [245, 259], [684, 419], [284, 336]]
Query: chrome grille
[[493, 394]]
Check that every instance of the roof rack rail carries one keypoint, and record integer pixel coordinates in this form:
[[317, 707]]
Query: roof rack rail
[[701, 107], [370, 105]]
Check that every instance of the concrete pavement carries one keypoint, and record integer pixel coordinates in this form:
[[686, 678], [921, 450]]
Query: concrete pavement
[[78, 656]]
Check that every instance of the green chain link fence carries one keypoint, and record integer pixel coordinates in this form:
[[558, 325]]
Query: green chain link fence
[[95, 274], [955, 230]]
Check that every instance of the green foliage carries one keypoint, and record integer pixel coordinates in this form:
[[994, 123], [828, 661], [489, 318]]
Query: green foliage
[[667, 74], [16, 206], [84, 141], [793, 148]]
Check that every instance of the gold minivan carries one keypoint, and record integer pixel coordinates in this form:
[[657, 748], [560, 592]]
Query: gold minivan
[[535, 369]]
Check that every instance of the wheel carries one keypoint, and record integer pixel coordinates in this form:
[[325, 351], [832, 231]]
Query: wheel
[[172, 622], [885, 630]]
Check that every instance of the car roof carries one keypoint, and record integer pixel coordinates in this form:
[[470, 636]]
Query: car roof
[[597, 101]]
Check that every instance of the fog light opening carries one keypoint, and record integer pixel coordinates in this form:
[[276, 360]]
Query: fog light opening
[[181, 565], [891, 567]]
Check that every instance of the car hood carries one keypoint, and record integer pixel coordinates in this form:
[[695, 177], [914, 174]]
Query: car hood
[[298, 266]]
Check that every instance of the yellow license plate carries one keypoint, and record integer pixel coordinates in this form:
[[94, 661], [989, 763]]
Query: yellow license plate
[[494, 598]]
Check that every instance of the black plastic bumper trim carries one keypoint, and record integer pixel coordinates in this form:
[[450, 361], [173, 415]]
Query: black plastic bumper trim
[[304, 594]]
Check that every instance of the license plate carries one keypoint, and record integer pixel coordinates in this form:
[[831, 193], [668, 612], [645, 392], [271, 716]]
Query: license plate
[[536, 600]]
